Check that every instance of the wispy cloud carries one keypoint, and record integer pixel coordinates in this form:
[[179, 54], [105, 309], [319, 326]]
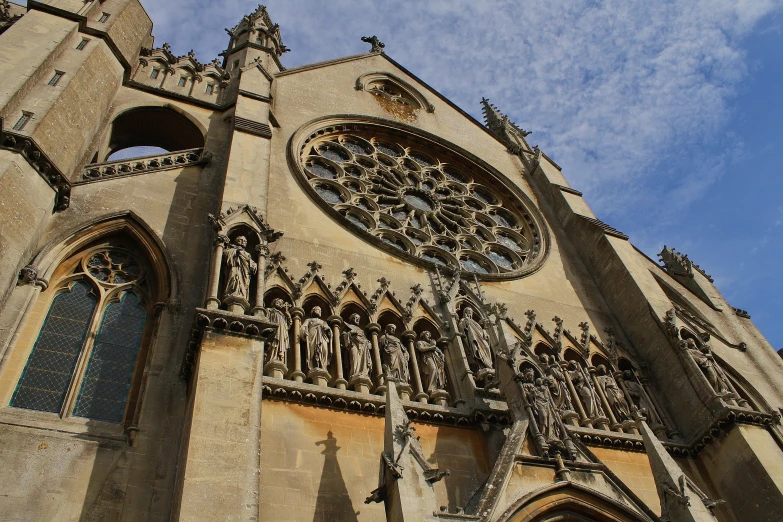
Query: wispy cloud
[[613, 89]]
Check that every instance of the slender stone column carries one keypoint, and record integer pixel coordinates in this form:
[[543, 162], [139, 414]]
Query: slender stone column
[[666, 420], [374, 328], [408, 338], [604, 402], [442, 397], [213, 303], [263, 253], [575, 399], [336, 322], [297, 374]]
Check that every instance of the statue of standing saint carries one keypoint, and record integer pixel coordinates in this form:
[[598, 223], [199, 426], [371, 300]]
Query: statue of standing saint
[[614, 396], [318, 340], [434, 362], [706, 362], [359, 348], [278, 347], [478, 339], [239, 266], [395, 357]]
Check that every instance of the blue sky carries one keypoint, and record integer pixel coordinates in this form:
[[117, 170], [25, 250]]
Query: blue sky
[[668, 115]]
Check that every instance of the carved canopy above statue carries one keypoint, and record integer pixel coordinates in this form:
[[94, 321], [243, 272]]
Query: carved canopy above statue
[[419, 197]]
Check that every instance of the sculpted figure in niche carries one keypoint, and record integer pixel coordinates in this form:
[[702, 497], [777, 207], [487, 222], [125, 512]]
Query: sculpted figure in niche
[[614, 396], [359, 347], [434, 362], [585, 391], [278, 347], [477, 339], [709, 367], [559, 390], [639, 397], [318, 340], [395, 356], [239, 269], [544, 409]]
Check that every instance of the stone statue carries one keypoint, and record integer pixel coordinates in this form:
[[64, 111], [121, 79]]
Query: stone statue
[[318, 340], [239, 267], [613, 393], [395, 356], [434, 362], [543, 409], [278, 347], [477, 338], [359, 348], [585, 391], [559, 392], [709, 367], [639, 397]]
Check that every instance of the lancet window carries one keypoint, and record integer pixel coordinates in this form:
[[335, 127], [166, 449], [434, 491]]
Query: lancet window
[[84, 360]]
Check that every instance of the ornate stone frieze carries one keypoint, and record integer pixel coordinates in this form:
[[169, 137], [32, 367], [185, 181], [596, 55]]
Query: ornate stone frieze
[[37, 159], [425, 202], [679, 264], [135, 166]]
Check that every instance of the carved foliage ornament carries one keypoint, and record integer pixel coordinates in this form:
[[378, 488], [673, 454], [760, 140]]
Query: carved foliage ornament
[[420, 200]]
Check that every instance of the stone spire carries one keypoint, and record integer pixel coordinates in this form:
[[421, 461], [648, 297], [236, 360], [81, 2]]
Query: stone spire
[[406, 479], [503, 128], [681, 499], [254, 37]]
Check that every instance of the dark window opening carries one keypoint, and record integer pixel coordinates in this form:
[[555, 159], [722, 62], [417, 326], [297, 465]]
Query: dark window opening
[[182, 81], [56, 79], [23, 121], [154, 74], [104, 17], [82, 45]]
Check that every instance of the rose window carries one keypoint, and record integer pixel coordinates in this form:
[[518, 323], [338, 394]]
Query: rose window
[[421, 201]]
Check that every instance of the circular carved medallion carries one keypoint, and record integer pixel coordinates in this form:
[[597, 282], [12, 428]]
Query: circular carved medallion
[[420, 198]]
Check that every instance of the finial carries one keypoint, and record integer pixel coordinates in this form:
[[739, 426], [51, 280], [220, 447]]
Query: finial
[[377, 45]]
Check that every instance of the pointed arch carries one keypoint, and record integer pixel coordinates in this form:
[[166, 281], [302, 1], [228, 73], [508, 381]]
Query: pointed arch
[[126, 223], [568, 501]]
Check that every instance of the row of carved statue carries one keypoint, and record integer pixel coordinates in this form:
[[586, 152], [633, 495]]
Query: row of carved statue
[[321, 340]]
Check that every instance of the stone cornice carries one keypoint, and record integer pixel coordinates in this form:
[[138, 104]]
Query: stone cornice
[[38, 160]]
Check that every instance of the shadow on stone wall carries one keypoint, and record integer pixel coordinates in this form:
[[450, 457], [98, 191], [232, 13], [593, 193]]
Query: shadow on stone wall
[[333, 501]]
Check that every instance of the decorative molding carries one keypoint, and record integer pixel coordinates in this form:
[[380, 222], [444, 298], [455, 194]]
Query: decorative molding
[[505, 130], [604, 227], [38, 160], [371, 82], [252, 127], [347, 400], [254, 96], [144, 165], [742, 313], [676, 263], [222, 321], [568, 189]]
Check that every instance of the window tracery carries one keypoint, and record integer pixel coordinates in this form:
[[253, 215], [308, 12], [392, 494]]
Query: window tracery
[[421, 202], [83, 361]]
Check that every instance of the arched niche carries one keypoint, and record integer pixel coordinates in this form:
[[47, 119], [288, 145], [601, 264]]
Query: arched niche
[[570, 502], [274, 293], [388, 317], [599, 360], [626, 365], [351, 308], [137, 131], [313, 300], [253, 241], [571, 355], [527, 365], [544, 349]]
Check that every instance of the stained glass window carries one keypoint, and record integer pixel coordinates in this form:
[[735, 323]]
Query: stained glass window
[[107, 380], [44, 382]]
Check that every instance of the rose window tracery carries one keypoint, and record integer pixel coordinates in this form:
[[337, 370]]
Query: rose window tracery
[[113, 266], [422, 200]]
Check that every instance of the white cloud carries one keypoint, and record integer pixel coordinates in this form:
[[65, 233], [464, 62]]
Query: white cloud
[[611, 88]]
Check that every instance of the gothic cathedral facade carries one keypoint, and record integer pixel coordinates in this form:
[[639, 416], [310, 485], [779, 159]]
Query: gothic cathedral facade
[[329, 294]]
